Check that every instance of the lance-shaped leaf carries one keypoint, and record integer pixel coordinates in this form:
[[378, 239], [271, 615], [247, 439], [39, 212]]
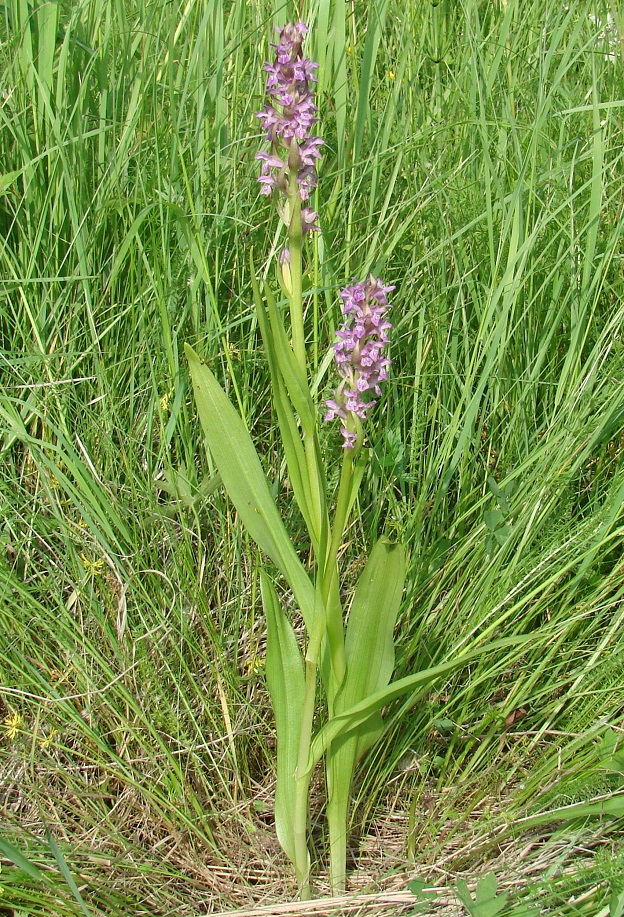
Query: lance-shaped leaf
[[241, 472], [369, 651], [369, 643], [291, 436], [354, 716], [286, 683]]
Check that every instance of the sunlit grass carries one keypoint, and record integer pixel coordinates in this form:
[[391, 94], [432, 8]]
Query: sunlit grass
[[474, 157]]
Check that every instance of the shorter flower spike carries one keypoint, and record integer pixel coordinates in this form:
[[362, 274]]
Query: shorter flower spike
[[359, 352], [288, 119]]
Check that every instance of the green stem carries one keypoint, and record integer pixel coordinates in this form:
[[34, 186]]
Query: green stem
[[337, 817], [340, 521], [338, 803], [295, 245], [317, 494], [295, 240], [302, 854], [329, 588], [302, 783]]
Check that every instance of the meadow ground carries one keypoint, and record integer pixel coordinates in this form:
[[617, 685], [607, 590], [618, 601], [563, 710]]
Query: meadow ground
[[473, 157]]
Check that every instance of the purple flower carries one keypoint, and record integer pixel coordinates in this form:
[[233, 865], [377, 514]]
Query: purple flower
[[359, 352], [288, 119]]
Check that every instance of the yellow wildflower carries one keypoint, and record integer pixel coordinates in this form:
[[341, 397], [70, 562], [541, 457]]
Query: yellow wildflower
[[12, 724], [46, 741], [93, 567]]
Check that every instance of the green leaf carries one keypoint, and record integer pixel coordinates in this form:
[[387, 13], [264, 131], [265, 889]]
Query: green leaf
[[60, 859], [9, 852], [609, 758], [291, 437], [354, 716], [7, 179], [486, 902], [241, 472], [501, 535], [616, 905], [286, 683], [610, 806], [369, 643], [493, 518], [294, 379], [369, 652], [418, 889]]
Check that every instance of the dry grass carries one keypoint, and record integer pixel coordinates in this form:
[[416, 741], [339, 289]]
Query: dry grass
[[166, 867]]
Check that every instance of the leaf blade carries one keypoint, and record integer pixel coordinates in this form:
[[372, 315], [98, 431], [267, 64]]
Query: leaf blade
[[241, 472], [369, 643], [286, 684], [369, 652], [354, 716]]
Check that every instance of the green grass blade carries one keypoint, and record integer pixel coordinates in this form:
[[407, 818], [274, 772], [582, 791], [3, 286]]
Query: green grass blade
[[12, 853], [64, 868]]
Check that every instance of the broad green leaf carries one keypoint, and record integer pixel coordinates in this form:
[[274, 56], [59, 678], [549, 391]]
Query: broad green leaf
[[369, 652], [352, 717], [369, 643], [489, 903], [486, 902], [616, 905], [418, 888], [286, 683], [242, 475], [493, 518]]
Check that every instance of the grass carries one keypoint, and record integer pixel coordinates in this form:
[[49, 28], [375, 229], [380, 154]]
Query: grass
[[473, 158]]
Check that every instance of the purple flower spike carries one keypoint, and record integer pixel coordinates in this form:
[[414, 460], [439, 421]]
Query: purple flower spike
[[359, 352], [288, 119]]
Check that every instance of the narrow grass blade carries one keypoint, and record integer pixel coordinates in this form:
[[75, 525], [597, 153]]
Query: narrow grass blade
[[374, 29], [62, 865], [9, 852]]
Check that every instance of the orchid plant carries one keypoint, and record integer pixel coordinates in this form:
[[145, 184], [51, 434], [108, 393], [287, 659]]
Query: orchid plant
[[351, 663]]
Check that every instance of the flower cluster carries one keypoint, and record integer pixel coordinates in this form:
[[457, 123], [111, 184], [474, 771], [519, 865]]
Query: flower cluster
[[360, 353], [288, 119]]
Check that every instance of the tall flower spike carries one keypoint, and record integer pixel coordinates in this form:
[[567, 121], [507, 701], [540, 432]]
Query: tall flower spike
[[359, 352], [288, 118]]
